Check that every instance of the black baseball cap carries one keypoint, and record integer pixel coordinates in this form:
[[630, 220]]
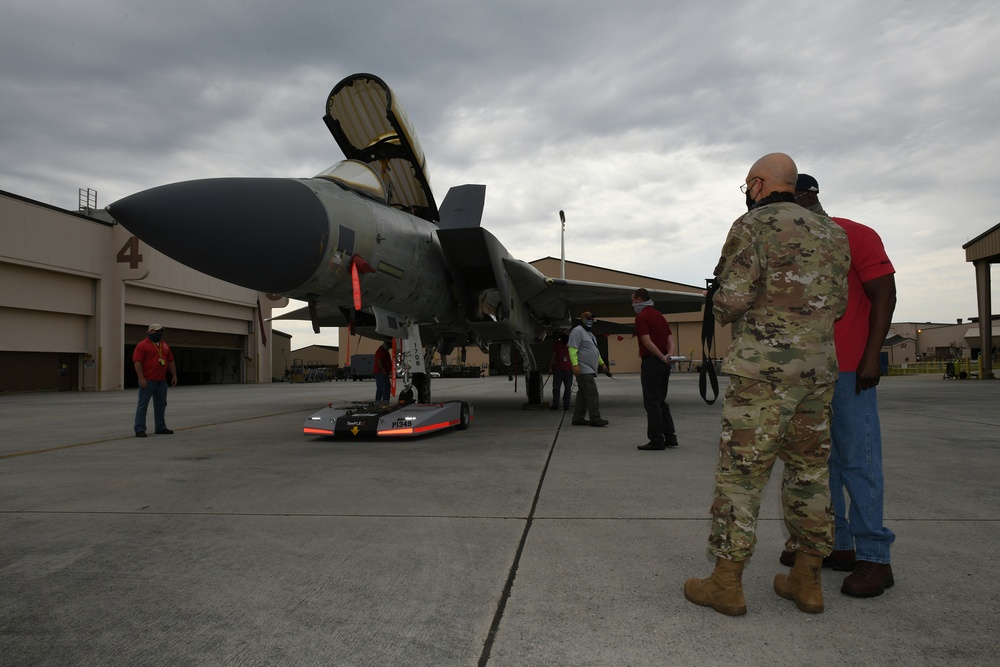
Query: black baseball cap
[[806, 183]]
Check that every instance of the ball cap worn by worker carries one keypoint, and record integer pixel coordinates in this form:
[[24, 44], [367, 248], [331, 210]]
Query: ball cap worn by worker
[[806, 183], [154, 327]]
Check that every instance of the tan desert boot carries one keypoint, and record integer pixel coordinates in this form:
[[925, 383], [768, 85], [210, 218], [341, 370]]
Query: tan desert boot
[[723, 591], [803, 584]]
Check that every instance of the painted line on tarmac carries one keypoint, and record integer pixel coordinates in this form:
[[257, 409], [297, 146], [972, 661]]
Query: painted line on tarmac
[[46, 450]]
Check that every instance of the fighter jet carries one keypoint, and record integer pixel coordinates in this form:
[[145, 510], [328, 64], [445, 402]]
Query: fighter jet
[[365, 245]]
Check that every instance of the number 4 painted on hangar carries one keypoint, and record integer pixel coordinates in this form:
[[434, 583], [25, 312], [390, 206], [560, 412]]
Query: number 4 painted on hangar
[[129, 253]]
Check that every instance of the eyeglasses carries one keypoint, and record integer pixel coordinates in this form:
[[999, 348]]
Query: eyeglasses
[[746, 186]]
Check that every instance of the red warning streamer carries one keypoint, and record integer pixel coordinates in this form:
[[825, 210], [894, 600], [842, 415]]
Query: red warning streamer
[[356, 284]]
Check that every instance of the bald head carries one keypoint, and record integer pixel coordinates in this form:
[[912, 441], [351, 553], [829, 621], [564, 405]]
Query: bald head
[[775, 172]]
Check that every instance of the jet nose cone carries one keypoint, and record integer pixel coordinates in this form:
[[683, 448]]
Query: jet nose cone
[[267, 234]]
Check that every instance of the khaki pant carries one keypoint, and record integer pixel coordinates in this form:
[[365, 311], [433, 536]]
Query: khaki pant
[[762, 422]]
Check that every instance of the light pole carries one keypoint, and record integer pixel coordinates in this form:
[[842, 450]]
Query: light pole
[[562, 243]]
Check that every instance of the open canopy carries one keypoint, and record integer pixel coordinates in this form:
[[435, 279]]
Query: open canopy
[[372, 127]]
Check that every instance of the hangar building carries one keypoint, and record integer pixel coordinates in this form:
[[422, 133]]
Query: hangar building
[[79, 292]]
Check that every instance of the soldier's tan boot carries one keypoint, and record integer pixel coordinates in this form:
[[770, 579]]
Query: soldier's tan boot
[[803, 584], [722, 591]]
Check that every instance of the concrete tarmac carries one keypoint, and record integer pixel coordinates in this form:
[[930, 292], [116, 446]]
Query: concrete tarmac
[[521, 541]]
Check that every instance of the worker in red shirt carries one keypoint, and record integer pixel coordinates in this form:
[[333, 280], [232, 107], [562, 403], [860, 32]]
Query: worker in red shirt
[[656, 346], [152, 359], [562, 371]]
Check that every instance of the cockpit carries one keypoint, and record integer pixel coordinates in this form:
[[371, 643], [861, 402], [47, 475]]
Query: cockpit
[[357, 176]]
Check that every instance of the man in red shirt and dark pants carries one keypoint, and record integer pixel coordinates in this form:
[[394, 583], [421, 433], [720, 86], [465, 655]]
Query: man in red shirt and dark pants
[[152, 359], [656, 346]]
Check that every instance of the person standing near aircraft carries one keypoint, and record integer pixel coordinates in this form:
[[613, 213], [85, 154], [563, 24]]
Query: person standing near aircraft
[[383, 369], [562, 372], [586, 361], [152, 359], [861, 541], [782, 282], [656, 346]]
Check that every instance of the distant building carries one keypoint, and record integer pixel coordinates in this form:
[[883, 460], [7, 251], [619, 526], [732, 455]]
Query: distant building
[[317, 355], [932, 341], [281, 354]]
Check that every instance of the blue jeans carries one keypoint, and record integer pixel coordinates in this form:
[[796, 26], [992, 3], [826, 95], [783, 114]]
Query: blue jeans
[[562, 379], [156, 390], [382, 387], [856, 466]]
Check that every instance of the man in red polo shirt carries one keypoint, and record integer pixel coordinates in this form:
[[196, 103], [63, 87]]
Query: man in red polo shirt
[[656, 346], [152, 359], [861, 541]]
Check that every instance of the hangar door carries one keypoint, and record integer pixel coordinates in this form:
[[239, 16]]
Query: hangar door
[[202, 357]]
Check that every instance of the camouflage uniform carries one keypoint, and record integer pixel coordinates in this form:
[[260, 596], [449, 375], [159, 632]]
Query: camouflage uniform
[[782, 284]]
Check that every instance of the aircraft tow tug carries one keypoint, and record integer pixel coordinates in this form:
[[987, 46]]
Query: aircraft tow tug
[[389, 420]]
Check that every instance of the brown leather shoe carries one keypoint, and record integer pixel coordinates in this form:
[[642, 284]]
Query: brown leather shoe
[[868, 580], [841, 561]]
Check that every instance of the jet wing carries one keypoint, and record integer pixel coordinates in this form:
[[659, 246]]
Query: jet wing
[[556, 298], [370, 125]]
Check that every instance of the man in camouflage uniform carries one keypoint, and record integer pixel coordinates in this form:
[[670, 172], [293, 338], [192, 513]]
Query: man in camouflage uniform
[[782, 283]]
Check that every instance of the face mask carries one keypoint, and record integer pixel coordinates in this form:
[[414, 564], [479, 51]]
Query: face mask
[[750, 201], [155, 337], [587, 323]]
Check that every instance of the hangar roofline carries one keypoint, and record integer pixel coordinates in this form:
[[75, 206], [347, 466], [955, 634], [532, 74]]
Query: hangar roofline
[[624, 273], [981, 236], [66, 211]]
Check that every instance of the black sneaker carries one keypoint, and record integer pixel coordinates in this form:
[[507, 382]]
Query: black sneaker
[[165, 431], [652, 446], [140, 434], [581, 422], [599, 422]]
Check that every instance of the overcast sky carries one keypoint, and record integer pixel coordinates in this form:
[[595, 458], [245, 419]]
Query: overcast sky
[[638, 118]]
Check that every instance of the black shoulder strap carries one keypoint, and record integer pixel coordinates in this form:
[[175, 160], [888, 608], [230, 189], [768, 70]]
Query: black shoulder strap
[[706, 373]]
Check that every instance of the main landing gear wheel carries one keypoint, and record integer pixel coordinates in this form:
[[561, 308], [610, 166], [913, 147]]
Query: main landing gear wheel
[[422, 382]]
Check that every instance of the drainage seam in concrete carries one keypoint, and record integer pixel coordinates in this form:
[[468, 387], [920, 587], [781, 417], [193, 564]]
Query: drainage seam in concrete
[[484, 657]]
